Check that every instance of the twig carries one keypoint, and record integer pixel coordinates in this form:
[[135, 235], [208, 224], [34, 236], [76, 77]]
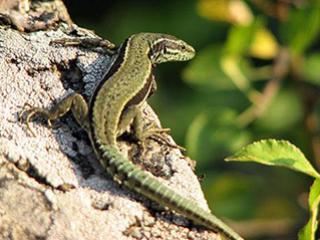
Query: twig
[[280, 69]]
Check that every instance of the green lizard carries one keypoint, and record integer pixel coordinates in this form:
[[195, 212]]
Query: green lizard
[[116, 103]]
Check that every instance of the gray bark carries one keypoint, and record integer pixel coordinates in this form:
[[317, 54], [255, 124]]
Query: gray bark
[[51, 184]]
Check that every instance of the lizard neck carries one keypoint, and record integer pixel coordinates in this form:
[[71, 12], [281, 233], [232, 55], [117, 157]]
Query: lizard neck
[[126, 83]]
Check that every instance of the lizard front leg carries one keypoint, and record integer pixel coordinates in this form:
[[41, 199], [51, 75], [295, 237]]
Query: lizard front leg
[[86, 42], [74, 102]]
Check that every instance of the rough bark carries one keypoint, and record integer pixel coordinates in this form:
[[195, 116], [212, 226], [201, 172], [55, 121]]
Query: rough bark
[[51, 184]]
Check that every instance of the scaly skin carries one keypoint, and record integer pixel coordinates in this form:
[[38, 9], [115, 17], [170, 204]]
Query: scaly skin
[[116, 102]]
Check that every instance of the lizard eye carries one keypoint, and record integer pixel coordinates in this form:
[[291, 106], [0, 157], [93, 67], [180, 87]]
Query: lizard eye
[[183, 47]]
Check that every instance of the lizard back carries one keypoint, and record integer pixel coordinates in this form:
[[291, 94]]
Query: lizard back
[[129, 76]]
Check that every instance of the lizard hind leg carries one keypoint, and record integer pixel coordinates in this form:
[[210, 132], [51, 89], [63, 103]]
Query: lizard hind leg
[[74, 102], [152, 131], [142, 132]]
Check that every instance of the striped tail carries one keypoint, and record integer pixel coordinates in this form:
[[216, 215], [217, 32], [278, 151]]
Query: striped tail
[[147, 185]]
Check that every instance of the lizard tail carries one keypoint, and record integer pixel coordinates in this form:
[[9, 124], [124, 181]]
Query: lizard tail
[[147, 185]]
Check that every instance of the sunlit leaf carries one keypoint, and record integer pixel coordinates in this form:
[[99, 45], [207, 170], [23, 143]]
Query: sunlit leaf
[[275, 153], [264, 44], [309, 231], [302, 26], [240, 38], [231, 66], [233, 11]]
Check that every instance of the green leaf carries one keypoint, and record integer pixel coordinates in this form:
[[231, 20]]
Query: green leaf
[[214, 132], [302, 27], [310, 68], [272, 119], [275, 153], [241, 37], [213, 70], [309, 231]]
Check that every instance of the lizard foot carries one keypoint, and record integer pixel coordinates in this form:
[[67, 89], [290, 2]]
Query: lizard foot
[[32, 112], [156, 134]]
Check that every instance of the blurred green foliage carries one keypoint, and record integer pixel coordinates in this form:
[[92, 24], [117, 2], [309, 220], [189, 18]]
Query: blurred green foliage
[[256, 75]]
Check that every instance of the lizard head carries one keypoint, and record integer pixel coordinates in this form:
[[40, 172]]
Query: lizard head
[[167, 48]]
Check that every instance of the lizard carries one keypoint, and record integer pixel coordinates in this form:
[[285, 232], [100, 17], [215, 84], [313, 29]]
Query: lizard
[[116, 104]]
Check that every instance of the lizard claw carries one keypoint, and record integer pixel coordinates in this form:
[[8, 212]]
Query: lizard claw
[[156, 134], [160, 138], [30, 113]]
